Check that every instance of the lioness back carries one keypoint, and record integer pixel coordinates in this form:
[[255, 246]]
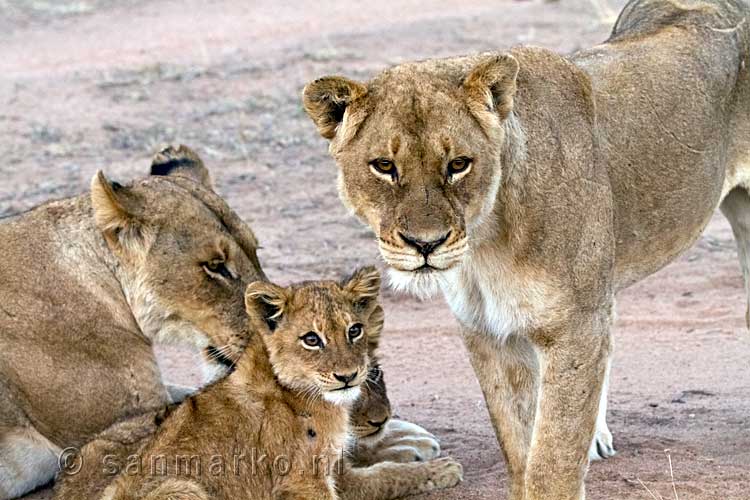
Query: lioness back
[[672, 90]]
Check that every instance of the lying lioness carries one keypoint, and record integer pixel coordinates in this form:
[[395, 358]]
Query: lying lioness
[[277, 426], [529, 187], [88, 283], [117, 448]]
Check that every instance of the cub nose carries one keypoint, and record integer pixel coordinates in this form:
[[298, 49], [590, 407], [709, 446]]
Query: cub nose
[[345, 378], [379, 423], [424, 247]]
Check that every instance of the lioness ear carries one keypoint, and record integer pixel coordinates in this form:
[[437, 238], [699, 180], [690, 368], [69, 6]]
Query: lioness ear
[[326, 99], [265, 303], [363, 286], [115, 211], [491, 85], [181, 161]]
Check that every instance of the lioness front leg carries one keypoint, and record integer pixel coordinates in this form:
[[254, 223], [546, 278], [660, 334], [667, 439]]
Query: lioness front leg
[[508, 374], [573, 360]]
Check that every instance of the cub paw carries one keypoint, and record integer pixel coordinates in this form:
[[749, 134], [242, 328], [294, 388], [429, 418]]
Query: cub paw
[[445, 473], [407, 442]]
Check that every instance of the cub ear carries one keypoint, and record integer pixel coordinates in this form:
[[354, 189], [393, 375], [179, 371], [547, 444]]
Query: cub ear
[[491, 85], [181, 161], [326, 99], [115, 211], [363, 287], [265, 303]]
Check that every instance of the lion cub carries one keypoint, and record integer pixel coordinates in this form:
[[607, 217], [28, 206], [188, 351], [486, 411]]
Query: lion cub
[[276, 426], [369, 419]]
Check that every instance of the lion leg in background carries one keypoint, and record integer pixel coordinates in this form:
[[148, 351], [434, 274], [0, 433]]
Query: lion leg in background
[[736, 208], [573, 361], [508, 374], [389, 480], [602, 446]]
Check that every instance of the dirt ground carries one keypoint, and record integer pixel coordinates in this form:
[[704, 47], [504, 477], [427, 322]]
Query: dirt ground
[[94, 84]]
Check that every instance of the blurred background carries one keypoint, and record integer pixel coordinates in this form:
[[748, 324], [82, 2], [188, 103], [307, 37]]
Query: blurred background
[[93, 84]]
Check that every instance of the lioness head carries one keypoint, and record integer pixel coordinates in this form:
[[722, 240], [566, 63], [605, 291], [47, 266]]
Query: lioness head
[[316, 333], [184, 256], [372, 410], [421, 150]]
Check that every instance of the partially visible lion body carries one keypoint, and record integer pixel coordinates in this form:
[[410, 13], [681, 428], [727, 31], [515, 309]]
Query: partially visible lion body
[[87, 284], [576, 177]]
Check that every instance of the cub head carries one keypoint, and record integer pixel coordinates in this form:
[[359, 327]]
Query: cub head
[[372, 410], [317, 333], [185, 258], [421, 151]]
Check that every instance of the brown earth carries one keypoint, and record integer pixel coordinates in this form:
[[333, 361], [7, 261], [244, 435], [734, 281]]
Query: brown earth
[[100, 83]]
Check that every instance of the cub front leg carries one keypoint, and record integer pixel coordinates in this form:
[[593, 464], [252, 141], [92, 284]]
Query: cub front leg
[[508, 374], [573, 361], [390, 480]]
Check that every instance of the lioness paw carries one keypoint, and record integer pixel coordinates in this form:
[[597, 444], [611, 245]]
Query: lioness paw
[[602, 446]]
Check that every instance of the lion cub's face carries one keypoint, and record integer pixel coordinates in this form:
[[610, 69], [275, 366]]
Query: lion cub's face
[[372, 410], [317, 333], [185, 256], [420, 152]]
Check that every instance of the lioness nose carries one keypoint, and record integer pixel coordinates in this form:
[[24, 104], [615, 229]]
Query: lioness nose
[[345, 378], [425, 247]]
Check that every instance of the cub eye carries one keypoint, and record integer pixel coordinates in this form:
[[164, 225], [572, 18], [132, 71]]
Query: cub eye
[[459, 165], [311, 340], [384, 166], [355, 332], [217, 267]]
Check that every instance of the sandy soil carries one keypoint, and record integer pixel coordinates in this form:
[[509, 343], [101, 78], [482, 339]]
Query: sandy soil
[[100, 83]]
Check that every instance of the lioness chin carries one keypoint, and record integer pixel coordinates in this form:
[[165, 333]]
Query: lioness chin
[[529, 188]]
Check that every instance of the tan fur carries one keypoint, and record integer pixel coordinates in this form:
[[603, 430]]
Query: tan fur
[[119, 446], [275, 400], [88, 283], [586, 174]]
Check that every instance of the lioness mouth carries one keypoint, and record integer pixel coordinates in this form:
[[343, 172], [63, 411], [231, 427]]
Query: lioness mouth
[[425, 268]]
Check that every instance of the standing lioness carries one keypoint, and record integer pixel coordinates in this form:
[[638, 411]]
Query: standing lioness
[[530, 188]]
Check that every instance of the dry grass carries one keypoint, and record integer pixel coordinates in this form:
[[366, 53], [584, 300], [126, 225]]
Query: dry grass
[[655, 494]]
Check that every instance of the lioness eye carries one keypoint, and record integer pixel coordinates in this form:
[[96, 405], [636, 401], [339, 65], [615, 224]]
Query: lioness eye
[[458, 165], [384, 166], [216, 266], [355, 332], [311, 340]]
